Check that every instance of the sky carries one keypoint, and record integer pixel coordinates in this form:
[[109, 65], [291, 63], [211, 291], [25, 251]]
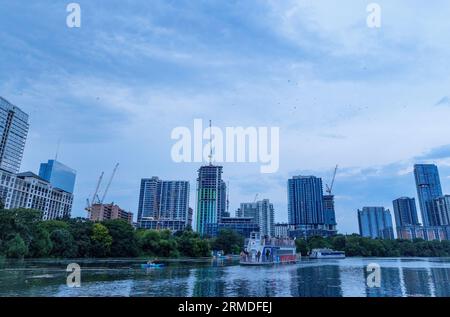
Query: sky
[[375, 101]]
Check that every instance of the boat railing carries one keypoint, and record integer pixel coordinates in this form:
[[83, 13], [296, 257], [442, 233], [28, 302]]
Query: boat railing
[[261, 259], [279, 242]]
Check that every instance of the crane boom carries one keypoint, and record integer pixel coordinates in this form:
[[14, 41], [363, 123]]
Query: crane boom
[[330, 188], [97, 188], [109, 183]]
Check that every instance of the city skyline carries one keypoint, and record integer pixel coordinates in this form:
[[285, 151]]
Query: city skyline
[[333, 105], [432, 201]]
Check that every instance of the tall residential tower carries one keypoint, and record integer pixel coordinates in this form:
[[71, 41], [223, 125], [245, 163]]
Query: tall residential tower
[[375, 222], [211, 193], [428, 189], [163, 204], [13, 134], [262, 213]]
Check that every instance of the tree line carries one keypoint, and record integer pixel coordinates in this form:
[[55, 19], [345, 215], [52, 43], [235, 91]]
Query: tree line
[[355, 245], [24, 235]]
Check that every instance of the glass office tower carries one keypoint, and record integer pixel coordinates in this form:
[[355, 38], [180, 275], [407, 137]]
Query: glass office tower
[[58, 175], [375, 222], [428, 189], [13, 134], [405, 212]]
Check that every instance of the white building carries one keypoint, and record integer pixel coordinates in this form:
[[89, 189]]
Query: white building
[[28, 190], [282, 230], [263, 214]]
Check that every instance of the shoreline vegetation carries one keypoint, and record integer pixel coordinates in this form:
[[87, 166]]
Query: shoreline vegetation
[[24, 235]]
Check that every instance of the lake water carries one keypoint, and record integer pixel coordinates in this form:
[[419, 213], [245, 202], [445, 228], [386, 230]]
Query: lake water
[[121, 277]]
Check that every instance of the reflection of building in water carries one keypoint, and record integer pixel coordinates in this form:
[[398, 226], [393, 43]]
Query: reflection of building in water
[[316, 281], [417, 282], [173, 281], [391, 284], [267, 281], [353, 281], [209, 281], [441, 281]]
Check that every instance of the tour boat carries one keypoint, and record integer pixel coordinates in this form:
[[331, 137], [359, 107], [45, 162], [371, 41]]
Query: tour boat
[[326, 254], [268, 251]]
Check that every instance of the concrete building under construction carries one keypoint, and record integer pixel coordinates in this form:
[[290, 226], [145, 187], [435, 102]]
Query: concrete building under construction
[[101, 212]]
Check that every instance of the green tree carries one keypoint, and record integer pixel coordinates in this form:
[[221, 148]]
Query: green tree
[[63, 244], [191, 245], [302, 246], [318, 243], [52, 225], [16, 247], [124, 243], [338, 242], [229, 241], [148, 241], [82, 230], [101, 240], [41, 245]]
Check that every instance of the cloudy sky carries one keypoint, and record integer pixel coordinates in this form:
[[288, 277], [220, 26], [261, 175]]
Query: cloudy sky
[[374, 101]]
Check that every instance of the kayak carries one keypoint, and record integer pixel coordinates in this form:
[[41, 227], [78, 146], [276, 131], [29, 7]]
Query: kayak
[[152, 265]]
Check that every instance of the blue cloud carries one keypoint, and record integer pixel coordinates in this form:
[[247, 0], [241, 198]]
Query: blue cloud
[[444, 101], [440, 152]]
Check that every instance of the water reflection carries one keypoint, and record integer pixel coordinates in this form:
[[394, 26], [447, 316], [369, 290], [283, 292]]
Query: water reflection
[[330, 278], [317, 280]]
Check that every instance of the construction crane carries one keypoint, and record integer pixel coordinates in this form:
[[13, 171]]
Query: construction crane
[[256, 197], [95, 195], [329, 189], [109, 183]]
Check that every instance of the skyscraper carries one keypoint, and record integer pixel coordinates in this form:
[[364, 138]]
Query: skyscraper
[[375, 222], [262, 213], [442, 205], [405, 212], [13, 134], [58, 174], [306, 207], [329, 212], [428, 189], [211, 193], [163, 204]]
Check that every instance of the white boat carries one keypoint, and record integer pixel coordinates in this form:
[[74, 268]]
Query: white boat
[[268, 251], [326, 254]]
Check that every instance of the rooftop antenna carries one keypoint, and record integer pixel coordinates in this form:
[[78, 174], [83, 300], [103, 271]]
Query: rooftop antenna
[[210, 144]]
